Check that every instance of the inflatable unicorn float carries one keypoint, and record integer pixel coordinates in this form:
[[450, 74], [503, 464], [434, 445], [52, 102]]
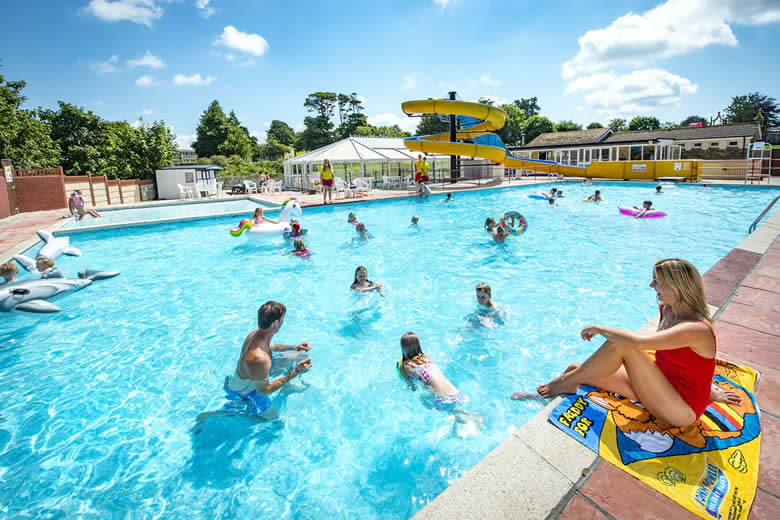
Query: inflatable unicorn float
[[290, 208]]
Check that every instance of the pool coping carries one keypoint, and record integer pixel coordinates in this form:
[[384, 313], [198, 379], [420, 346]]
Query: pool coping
[[538, 469]]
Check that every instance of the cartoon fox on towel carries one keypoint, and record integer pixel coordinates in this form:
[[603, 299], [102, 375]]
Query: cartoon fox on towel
[[720, 421]]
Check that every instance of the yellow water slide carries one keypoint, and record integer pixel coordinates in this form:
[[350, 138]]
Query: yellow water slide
[[492, 119], [489, 119]]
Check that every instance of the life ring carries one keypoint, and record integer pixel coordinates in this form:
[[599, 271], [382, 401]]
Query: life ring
[[518, 229], [288, 234]]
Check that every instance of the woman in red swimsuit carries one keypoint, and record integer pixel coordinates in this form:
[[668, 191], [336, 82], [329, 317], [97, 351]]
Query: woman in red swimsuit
[[676, 387]]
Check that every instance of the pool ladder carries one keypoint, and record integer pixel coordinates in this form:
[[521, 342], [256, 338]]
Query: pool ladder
[[755, 222]]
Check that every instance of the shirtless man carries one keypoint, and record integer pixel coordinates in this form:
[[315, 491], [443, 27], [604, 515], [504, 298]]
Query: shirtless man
[[251, 381]]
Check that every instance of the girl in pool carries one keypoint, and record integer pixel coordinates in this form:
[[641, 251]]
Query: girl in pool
[[676, 387], [351, 218], [596, 197], [363, 284], [300, 249], [646, 206], [45, 267], [415, 367], [295, 229], [259, 218], [8, 272]]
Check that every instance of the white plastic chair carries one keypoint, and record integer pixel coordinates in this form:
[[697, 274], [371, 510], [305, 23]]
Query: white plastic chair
[[275, 186], [341, 186], [362, 187], [266, 186], [185, 192], [250, 187]]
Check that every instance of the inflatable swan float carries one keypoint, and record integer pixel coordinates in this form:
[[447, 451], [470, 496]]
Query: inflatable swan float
[[33, 295], [291, 207], [53, 247]]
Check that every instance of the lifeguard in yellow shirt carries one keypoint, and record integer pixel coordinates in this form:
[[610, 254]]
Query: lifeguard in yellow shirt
[[421, 167], [326, 176]]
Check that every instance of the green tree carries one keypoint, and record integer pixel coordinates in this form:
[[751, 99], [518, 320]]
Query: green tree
[[212, 130], [595, 124], [744, 109], [159, 147], [536, 126], [431, 124], [512, 132], [567, 126], [350, 115], [529, 106], [380, 131], [81, 136], [644, 123], [694, 119], [318, 133], [237, 143], [352, 122], [24, 138], [280, 131], [321, 103], [617, 125], [273, 150]]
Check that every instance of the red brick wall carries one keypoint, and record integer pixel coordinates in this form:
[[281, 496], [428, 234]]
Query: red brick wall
[[40, 192], [5, 207]]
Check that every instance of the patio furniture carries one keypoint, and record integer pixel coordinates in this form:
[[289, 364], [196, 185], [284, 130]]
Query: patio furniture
[[250, 187], [185, 192], [275, 186], [362, 187], [340, 186]]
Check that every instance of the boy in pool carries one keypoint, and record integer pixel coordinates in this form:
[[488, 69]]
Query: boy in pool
[[646, 206], [415, 220], [559, 194], [8, 272], [449, 198], [361, 229], [658, 189], [490, 225], [351, 218], [552, 194], [551, 201], [500, 235], [363, 284], [485, 297], [596, 197]]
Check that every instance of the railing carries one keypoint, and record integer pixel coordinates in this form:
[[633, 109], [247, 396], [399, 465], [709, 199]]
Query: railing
[[740, 169], [755, 222]]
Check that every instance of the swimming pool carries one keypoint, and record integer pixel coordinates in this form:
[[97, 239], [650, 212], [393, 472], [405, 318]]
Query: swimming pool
[[169, 211], [115, 404]]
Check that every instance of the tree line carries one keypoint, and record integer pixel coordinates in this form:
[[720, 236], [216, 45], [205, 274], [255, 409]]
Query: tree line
[[79, 140]]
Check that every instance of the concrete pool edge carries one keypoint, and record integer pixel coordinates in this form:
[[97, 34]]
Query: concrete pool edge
[[538, 469]]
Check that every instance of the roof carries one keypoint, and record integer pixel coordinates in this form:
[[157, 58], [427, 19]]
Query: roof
[[193, 167], [357, 149], [700, 132], [574, 137]]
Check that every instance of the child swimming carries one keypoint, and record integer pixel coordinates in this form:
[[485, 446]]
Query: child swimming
[[415, 220], [295, 229], [45, 267], [363, 284], [351, 218], [361, 229], [490, 225], [484, 296], [596, 197], [418, 369], [300, 249], [449, 198], [658, 189], [646, 206], [259, 218], [500, 235]]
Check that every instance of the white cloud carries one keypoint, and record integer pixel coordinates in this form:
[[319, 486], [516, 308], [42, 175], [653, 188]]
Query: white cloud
[[185, 141], [146, 112], [267, 124], [142, 12], [408, 124], [251, 43], [145, 81], [230, 57], [673, 28], [105, 67], [195, 79], [639, 91], [97, 103], [442, 3], [409, 82], [299, 126], [137, 123], [497, 101], [205, 10], [487, 80], [148, 60], [260, 135]]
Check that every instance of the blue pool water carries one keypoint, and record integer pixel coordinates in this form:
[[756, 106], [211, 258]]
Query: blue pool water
[[168, 211], [114, 407]]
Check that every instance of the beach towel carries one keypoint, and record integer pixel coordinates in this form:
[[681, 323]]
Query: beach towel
[[709, 468]]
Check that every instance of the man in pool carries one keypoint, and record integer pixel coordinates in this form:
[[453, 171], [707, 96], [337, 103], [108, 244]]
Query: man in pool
[[251, 381]]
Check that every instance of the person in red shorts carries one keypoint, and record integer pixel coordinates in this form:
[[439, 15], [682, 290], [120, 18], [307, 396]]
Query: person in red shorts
[[326, 176], [421, 169]]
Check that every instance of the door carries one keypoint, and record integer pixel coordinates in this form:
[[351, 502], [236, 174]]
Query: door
[[10, 186]]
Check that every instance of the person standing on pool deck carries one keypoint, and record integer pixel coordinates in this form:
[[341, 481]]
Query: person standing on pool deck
[[326, 176], [421, 167], [676, 386], [251, 380]]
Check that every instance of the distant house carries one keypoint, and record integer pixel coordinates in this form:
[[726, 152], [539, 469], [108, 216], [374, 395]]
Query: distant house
[[184, 155], [173, 182], [581, 147]]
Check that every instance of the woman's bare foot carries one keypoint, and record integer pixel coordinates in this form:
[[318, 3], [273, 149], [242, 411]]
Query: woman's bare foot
[[557, 386]]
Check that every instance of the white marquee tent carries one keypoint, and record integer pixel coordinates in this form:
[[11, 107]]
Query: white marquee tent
[[379, 158]]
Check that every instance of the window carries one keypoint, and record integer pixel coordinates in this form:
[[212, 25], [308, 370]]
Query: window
[[715, 145], [682, 146], [697, 146], [733, 144]]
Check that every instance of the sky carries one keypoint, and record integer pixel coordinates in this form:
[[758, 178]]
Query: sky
[[584, 61]]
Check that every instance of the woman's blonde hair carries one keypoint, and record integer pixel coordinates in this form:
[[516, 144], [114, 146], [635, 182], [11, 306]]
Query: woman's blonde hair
[[484, 287], [48, 262], [681, 277], [8, 269]]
